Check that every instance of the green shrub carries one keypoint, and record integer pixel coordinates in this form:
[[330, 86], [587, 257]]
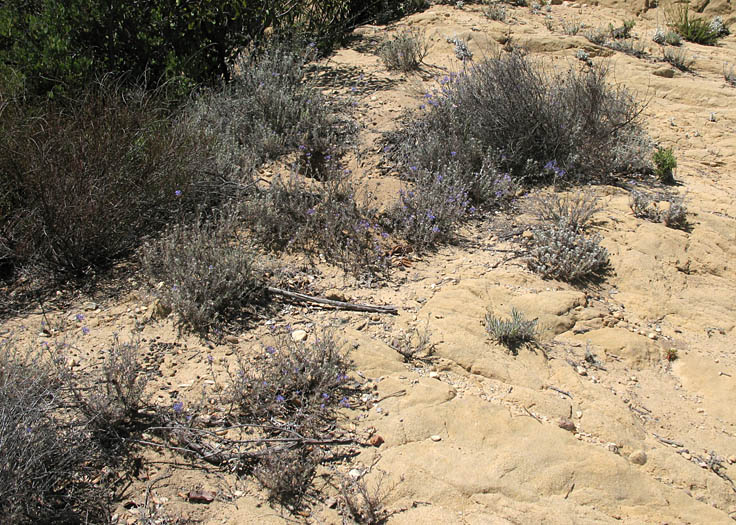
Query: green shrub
[[694, 29], [83, 182], [59, 47], [511, 332], [664, 164]]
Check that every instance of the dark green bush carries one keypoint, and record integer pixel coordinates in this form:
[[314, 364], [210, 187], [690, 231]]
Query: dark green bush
[[59, 46], [82, 183], [664, 164], [695, 29]]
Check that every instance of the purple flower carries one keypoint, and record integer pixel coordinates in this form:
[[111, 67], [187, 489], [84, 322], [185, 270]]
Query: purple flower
[[279, 398], [325, 395], [310, 211], [178, 407], [210, 359], [453, 153], [85, 330], [302, 147], [177, 193], [344, 402], [412, 168], [80, 317], [435, 229], [270, 350]]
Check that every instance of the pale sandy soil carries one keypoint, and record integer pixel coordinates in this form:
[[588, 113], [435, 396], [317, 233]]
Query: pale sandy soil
[[501, 456]]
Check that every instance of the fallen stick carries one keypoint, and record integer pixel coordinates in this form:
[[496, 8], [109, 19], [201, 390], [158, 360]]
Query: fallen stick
[[532, 415], [668, 441], [568, 394], [330, 302]]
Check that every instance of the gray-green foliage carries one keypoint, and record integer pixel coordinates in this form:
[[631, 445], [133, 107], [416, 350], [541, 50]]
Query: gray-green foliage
[[558, 251], [405, 51], [511, 332], [665, 208], [207, 272]]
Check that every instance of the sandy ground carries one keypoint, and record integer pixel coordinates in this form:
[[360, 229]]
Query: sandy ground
[[475, 435]]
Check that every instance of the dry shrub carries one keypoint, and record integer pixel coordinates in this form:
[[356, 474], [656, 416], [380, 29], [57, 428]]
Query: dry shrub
[[528, 118], [572, 210], [47, 457], [321, 218], [405, 51], [84, 181], [208, 273]]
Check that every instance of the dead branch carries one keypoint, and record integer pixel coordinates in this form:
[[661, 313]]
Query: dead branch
[[342, 305]]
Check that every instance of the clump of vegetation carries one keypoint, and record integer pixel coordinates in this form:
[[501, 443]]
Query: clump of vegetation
[[695, 29], [671, 354], [662, 37], [320, 218], [558, 251], [405, 51], [298, 382], [209, 273], [678, 58], [572, 27], [668, 209], [83, 182], [664, 165], [48, 457], [511, 332], [571, 210], [495, 11], [462, 51], [629, 46], [623, 31], [437, 201], [509, 107], [270, 108], [729, 75], [108, 398]]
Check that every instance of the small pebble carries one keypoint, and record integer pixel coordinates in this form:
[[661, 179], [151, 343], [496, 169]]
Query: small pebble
[[231, 339], [582, 371], [638, 457], [686, 456], [566, 424], [434, 375], [355, 473], [436, 438], [298, 335], [732, 459]]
